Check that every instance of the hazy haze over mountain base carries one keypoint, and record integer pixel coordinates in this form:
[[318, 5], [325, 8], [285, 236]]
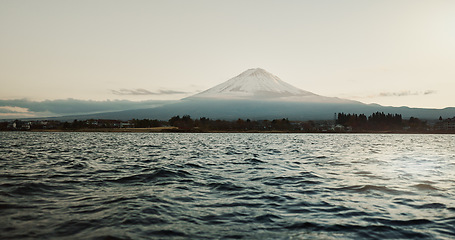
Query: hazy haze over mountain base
[[263, 110]]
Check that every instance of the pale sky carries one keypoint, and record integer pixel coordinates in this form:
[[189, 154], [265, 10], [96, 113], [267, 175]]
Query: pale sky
[[390, 52]]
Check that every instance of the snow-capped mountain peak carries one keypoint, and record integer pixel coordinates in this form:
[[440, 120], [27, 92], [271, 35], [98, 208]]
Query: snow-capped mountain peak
[[258, 84], [253, 83]]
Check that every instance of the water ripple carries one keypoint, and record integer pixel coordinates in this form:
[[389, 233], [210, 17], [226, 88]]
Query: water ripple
[[226, 186]]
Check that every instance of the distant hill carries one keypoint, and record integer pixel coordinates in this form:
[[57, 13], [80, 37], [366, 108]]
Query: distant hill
[[257, 110]]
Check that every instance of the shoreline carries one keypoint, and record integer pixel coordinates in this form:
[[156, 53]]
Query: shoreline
[[176, 130]]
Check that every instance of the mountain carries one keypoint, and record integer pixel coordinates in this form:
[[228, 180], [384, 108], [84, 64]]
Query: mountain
[[257, 94], [258, 84]]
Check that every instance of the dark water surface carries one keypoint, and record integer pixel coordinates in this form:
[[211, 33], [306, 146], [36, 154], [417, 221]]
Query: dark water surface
[[210, 186]]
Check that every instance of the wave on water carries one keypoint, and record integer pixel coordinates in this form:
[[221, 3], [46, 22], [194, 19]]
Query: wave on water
[[226, 186]]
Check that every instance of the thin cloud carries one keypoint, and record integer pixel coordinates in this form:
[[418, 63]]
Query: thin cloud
[[398, 94], [9, 109], [393, 94], [143, 92], [139, 91], [405, 93], [15, 112], [428, 92], [165, 92]]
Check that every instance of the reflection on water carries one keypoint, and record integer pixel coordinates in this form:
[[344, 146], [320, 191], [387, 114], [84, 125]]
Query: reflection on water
[[133, 186]]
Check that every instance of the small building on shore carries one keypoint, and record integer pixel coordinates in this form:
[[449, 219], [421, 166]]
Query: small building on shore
[[446, 125]]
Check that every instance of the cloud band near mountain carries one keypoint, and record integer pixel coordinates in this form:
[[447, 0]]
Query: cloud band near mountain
[[28, 108], [143, 92], [405, 93]]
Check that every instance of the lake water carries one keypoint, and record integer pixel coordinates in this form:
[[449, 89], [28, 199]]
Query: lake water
[[211, 186]]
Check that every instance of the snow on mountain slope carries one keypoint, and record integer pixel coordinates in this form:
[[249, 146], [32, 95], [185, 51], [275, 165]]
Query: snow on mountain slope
[[258, 84]]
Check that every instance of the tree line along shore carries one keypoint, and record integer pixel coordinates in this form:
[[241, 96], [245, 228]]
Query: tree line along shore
[[378, 122]]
